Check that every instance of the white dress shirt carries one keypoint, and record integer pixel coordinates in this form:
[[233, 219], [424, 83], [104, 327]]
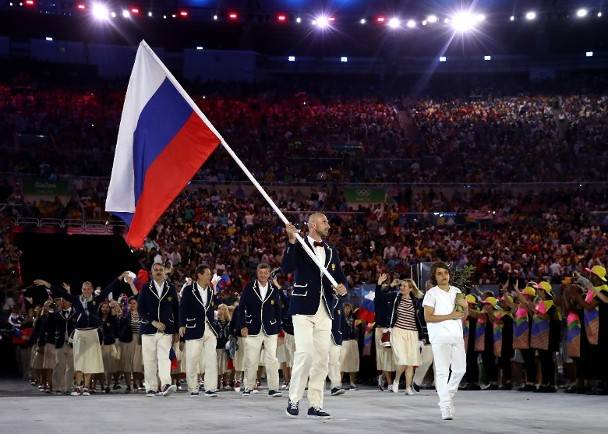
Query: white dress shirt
[[159, 288], [263, 290], [203, 293], [319, 250]]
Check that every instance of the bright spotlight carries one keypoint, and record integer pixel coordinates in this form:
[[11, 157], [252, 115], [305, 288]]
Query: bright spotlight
[[100, 12], [487, 58], [298, 20], [582, 13], [512, 18], [322, 22], [432, 19], [464, 22], [394, 23], [599, 15], [362, 21], [411, 24], [291, 59], [125, 13], [531, 15], [589, 54], [113, 14], [343, 59], [443, 59]]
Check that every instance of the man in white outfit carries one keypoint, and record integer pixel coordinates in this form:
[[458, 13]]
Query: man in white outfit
[[444, 322]]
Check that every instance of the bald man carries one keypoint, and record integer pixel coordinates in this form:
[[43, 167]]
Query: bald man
[[311, 307]]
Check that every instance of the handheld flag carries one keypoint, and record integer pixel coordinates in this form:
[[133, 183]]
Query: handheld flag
[[162, 142]]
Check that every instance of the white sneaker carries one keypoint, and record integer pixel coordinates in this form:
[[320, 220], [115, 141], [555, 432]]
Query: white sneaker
[[446, 413], [409, 391], [395, 388]]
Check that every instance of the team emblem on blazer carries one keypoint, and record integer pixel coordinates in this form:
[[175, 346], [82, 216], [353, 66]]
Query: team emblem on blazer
[[271, 301], [169, 298], [333, 267]]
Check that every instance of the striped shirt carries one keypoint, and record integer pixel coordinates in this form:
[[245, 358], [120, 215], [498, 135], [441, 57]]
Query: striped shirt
[[134, 323], [406, 315]]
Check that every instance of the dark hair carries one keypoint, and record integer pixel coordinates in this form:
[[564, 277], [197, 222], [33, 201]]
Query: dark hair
[[263, 265], [201, 269], [435, 267]]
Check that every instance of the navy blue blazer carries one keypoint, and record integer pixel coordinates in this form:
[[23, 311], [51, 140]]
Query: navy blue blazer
[[338, 322], [310, 286], [383, 305], [286, 321], [259, 314], [151, 307], [65, 323], [192, 312]]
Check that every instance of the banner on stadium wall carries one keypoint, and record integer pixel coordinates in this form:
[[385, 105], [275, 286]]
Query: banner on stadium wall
[[36, 189], [365, 195]]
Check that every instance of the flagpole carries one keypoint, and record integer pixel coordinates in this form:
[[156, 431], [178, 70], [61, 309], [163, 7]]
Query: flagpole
[[237, 160]]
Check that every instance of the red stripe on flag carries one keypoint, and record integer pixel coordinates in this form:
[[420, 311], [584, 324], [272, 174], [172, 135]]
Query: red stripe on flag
[[169, 174]]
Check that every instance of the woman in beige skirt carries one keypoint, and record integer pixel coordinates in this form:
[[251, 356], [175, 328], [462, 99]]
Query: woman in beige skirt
[[404, 333], [131, 360], [349, 352]]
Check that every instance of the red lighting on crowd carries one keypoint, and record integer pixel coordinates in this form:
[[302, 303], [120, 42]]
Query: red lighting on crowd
[[81, 6], [281, 18], [183, 13], [233, 15], [29, 2], [380, 19], [135, 11]]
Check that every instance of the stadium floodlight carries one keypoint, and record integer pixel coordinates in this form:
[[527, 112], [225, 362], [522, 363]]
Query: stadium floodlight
[[530, 15], [432, 19], [487, 58], [362, 21], [48, 39], [588, 53], [298, 20], [100, 12], [411, 24], [599, 15], [443, 59], [343, 59], [464, 22], [126, 13], [512, 18], [322, 22], [394, 23], [291, 59], [113, 14], [582, 13]]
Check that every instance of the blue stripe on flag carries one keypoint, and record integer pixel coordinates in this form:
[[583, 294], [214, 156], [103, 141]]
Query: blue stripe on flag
[[160, 120]]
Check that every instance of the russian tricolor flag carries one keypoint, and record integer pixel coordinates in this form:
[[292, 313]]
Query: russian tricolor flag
[[163, 140]]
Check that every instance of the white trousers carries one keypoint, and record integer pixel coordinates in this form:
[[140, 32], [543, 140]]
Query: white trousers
[[63, 374], [155, 351], [253, 345], [202, 350], [313, 338], [427, 361], [446, 357], [333, 367]]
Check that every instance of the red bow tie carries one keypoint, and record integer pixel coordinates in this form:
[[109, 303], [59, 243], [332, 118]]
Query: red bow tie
[[318, 244]]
